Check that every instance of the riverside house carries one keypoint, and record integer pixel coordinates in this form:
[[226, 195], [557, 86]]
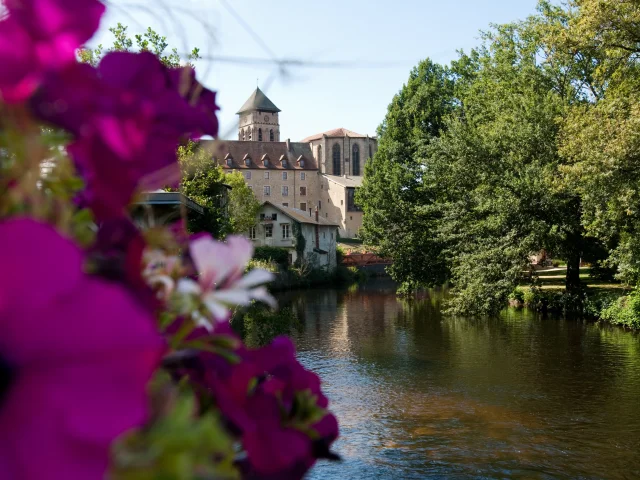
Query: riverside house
[[301, 232]]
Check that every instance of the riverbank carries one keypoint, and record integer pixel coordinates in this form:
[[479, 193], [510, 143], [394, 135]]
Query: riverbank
[[601, 299]]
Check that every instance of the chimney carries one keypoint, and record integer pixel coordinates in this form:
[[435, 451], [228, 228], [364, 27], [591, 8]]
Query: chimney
[[288, 145]]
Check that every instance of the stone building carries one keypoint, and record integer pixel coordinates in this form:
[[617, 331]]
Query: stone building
[[322, 171], [284, 227]]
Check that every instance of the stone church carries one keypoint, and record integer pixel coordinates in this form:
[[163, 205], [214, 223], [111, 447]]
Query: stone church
[[322, 171]]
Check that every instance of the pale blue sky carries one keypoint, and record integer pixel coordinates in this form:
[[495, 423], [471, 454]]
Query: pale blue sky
[[396, 34]]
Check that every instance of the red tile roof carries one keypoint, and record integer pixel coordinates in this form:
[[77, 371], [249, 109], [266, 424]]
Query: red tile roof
[[255, 152], [336, 132]]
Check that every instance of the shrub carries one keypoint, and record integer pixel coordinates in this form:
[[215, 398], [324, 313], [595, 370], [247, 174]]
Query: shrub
[[272, 254], [517, 295], [625, 311]]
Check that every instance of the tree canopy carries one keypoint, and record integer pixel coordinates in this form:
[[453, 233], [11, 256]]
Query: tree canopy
[[527, 143]]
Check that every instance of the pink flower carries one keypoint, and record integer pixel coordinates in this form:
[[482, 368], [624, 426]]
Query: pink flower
[[128, 117], [40, 36], [221, 283], [77, 353]]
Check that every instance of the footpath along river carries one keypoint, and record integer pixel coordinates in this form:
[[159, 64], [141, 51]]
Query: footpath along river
[[419, 395]]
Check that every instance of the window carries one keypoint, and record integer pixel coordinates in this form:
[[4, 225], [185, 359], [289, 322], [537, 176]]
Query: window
[[351, 202], [285, 204], [284, 175], [267, 190], [250, 133], [274, 216], [229, 162], [247, 175], [284, 164], [271, 137], [355, 160], [252, 233], [266, 175], [243, 138], [265, 163], [285, 191], [301, 163], [247, 162], [302, 176], [268, 231], [319, 154], [286, 231], [303, 206], [336, 159], [326, 215], [319, 204], [341, 202], [303, 191], [259, 134]]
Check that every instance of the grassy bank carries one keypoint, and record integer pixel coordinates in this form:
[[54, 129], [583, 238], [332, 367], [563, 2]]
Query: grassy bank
[[604, 300]]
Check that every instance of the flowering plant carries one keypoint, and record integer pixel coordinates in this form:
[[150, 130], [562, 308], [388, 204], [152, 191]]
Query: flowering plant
[[116, 354]]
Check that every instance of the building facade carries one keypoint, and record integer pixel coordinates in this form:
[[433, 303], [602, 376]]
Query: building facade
[[322, 171], [300, 232]]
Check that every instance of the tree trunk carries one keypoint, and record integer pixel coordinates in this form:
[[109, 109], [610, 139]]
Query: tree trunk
[[572, 282]]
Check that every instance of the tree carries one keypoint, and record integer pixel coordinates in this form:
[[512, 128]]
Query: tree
[[394, 198], [149, 41], [243, 204], [203, 182]]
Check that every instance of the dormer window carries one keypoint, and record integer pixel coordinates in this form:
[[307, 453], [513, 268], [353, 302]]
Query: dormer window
[[247, 162], [229, 161], [265, 163], [284, 164], [302, 163]]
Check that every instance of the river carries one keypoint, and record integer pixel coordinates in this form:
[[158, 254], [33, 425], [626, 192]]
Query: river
[[419, 395]]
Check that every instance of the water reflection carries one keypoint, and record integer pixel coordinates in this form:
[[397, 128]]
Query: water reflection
[[422, 396]]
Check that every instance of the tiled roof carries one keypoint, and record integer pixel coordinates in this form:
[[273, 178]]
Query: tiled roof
[[302, 216], [336, 132], [348, 181], [295, 153], [258, 101]]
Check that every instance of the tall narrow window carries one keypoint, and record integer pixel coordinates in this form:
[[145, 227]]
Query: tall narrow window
[[286, 231], [303, 191], [250, 134], [266, 175], [355, 160], [252, 233], [319, 154], [271, 137], [267, 190], [303, 206], [285, 191], [268, 231], [302, 175], [259, 134], [336, 159], [243, 137]]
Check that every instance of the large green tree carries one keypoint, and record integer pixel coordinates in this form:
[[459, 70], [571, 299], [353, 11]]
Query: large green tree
[[243, 204]]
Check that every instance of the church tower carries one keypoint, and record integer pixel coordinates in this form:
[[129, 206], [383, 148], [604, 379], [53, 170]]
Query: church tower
[[258, 120]]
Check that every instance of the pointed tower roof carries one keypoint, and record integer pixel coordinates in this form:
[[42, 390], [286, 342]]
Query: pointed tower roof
[[258, 101]]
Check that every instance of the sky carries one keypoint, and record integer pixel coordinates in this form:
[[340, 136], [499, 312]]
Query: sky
[[354, 55]]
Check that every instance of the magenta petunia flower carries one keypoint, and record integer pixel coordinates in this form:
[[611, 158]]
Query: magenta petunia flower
[[40, 36], [128, 117], [76, 354]]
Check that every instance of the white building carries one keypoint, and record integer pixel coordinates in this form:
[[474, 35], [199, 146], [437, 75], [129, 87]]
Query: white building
[[300, 232]]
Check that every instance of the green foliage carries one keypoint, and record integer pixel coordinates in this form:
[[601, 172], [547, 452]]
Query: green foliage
[[149, 41], [278, 255], [259, 325], [243, 204], [179, 444], [263, 264], [203, 182], [625, 311]]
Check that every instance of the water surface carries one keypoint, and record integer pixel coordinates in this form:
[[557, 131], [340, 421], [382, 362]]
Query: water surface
[[419, 395]]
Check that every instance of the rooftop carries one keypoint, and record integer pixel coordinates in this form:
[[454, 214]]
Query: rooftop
[[345, 181], [298, 156], [336, 132], [258, 101], [302, 216]]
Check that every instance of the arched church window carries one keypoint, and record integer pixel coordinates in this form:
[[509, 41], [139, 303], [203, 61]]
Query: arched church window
[[271, 136], [355, 160], [336, 159], [259, 134]]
